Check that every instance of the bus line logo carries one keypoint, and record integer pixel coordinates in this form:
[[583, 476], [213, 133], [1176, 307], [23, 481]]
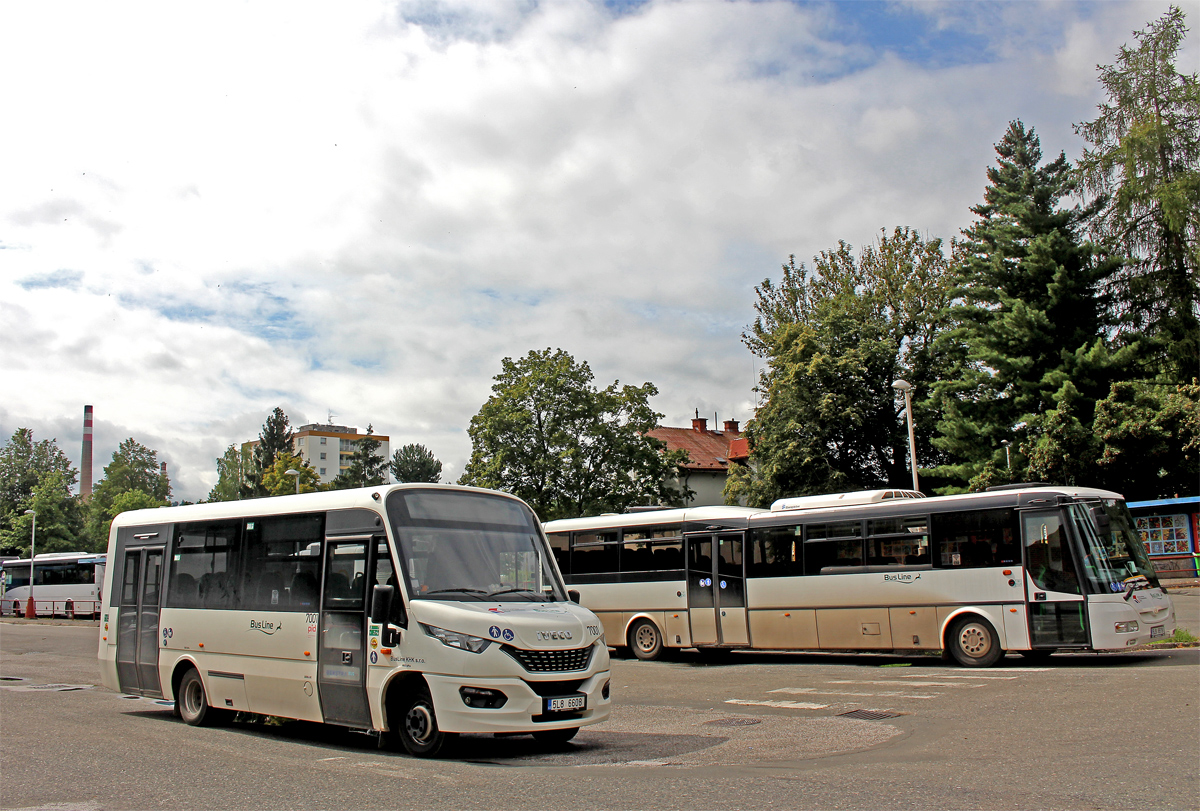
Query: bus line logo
[[901, 578], [267, 628]]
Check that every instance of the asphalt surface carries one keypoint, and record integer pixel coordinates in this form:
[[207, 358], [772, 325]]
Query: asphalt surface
[[754, 731]]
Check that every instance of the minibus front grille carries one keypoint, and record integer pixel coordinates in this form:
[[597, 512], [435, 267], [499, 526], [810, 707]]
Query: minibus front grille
[[551, 661]]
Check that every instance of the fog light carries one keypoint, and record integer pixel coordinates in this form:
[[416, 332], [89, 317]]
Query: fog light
[[481, 698], [604, 690], [1126, 627]]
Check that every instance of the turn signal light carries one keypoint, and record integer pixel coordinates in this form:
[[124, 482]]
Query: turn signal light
[[202, 644], [104, 638], [1007, 572], [787, 613], [306, 653], [386, 651], [1012, 610]]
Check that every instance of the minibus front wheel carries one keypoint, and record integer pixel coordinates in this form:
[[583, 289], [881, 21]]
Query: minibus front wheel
[[417, 725]]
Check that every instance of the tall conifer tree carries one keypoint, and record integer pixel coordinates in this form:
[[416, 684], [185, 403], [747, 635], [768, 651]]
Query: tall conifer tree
[[1030, 320]]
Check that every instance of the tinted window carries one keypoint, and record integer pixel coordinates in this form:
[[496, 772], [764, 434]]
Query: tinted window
[[820, 555], [595, 553], [903, 540], [775, 552], [560, 544], [642, 556], [974, 539], [205, 565], [283, 559]]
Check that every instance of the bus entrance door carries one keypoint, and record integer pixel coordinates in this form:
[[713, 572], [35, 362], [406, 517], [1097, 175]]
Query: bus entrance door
[[1057, 610], [137, 621], [716, 590], [342, 651]]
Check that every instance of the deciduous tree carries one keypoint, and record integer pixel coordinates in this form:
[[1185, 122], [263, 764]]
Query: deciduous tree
[[551, 437], [834, 342]]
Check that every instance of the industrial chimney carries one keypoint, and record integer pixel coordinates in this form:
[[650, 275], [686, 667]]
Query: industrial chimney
[[85, 463]]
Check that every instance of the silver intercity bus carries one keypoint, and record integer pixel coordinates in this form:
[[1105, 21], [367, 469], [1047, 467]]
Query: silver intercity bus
[[1032, 569]]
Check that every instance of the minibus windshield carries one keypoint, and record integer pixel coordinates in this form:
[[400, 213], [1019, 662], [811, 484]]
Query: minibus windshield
[[471, 546]]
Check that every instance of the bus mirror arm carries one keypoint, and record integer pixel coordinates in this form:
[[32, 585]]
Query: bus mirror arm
[[381, 613]]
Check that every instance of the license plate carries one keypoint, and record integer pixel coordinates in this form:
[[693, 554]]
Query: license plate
[[566, 704], [1157, 631]]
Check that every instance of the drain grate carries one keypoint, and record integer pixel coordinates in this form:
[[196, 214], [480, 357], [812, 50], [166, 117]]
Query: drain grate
[[733, 722], [868, 715]]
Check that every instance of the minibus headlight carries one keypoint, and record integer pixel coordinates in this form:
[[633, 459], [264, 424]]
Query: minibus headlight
[[453, 639], [1126, 627]]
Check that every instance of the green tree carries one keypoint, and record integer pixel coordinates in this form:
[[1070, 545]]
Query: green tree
[[1029, 322], [568, 448], [366, 467], [1150, 440], [1144, 163], [275, 438], [233, 481], [59, 520], [34, 471], [134, 468], [834, 342], [415, 463], [278, 482]]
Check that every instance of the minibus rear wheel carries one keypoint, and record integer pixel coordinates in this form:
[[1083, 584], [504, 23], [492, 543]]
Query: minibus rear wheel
[[192, 702]]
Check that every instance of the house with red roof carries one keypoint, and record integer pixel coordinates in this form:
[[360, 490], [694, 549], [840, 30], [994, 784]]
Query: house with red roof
[[709, 453]]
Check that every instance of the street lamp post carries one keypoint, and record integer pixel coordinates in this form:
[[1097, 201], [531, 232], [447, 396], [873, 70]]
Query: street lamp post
[[295, 473], [30, 605], [906, 387], [1007, 453]]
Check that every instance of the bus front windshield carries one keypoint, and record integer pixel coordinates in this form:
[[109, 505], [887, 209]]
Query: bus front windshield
[[471, 546], [1114, 559]]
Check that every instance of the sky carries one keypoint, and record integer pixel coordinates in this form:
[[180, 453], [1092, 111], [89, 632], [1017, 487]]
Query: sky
[[358, 209]]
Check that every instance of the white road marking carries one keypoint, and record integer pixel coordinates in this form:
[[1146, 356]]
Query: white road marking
[[950, 676], [906, 684], [794, 705], [881, 693]]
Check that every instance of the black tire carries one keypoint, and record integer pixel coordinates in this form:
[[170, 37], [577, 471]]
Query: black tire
[[972, 642], [555, 736], [416, 726], [646, 641], [192, 702]]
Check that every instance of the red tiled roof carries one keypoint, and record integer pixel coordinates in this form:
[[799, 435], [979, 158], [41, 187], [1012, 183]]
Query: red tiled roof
[[707, 450]]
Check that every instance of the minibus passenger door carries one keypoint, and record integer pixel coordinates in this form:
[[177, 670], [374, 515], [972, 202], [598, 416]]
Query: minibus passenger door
[[342, 650], [1057, 610], [137, 622]]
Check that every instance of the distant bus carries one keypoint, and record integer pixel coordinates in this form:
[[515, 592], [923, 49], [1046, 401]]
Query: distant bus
[[67, 584], [415, 612], [1028, 569]]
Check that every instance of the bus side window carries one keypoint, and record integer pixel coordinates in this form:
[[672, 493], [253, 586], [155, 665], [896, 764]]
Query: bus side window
[[560, 545], [775, 552], [974, 538]]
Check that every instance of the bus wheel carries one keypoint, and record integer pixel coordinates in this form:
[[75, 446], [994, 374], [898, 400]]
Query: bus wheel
[[418, 726], [645, 640], [973, 643], [555, 736], [192, 702], [70, 610]]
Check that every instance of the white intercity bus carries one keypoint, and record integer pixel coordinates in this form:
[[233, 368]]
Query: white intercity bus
[[66, 584], [415, 611], [1034, 569]]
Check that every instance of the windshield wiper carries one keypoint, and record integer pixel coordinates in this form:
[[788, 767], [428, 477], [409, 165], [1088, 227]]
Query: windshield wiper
[[460, 591], [514, 591]]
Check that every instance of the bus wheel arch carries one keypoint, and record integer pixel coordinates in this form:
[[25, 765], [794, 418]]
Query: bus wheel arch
[[177, 674], [645, 639], [411, 719], [971, 640], [191, 701]]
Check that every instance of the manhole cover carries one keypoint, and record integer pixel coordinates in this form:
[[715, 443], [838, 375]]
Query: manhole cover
[[868, 715], [733, 722]]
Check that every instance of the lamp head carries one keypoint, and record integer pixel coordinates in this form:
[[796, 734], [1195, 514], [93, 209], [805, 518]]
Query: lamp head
[[902, 385]]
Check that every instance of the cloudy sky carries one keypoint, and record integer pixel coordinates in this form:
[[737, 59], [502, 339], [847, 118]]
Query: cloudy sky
[[359, 208]]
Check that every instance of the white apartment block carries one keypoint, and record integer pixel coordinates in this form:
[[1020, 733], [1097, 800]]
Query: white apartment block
[[327, 448]]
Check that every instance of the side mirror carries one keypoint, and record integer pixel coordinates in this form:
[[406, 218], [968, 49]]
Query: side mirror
[[381, 613], [1101, 520], [573, 595]]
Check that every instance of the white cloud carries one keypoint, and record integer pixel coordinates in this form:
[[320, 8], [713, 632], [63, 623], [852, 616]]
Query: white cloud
[[362, 208]]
